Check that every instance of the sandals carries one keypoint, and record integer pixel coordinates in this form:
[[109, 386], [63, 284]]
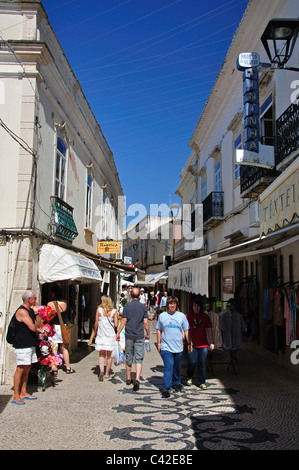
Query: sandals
[[70, 371]]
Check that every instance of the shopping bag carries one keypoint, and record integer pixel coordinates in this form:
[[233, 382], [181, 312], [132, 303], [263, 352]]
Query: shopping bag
[[117, 354]]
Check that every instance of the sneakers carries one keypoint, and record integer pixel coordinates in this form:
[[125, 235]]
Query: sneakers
[[177, 388], [203, 386], [165, 393], [101, 377], [189, 382]]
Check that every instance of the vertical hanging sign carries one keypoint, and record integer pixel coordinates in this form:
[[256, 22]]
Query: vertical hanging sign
[[253, 152], [251, 110]]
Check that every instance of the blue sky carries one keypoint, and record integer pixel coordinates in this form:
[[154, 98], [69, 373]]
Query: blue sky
[[146, 68]]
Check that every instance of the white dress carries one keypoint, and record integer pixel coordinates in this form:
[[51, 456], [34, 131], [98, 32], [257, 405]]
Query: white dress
[[105, 339]]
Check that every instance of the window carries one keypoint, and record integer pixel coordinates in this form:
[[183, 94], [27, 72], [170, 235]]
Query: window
[[218, 177], [88, 212], [266, 122], [238, 145], [203, 190], [60, 169]]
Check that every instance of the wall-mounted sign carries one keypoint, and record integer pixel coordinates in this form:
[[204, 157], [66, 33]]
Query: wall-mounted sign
[[228, 284], [248, 60], [108, 247], [251, 109], [280, 201], [253, 152]]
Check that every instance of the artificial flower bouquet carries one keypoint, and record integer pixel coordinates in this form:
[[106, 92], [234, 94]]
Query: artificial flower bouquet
[[48, 359]]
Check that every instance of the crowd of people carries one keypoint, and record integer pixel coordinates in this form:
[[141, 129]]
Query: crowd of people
[[175, 331]]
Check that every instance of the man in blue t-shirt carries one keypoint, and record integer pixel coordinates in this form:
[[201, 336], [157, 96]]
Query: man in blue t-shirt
[[135, 319], [171, 326]]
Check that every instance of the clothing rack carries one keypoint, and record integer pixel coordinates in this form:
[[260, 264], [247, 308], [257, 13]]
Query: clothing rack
[[230, 363]]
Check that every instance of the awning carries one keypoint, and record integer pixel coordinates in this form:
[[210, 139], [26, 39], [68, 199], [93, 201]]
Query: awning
[[257, 246], [59, 264], [190, 276], [151, 279]]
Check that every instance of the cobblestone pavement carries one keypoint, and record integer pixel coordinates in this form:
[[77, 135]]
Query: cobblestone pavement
[[255, 409]]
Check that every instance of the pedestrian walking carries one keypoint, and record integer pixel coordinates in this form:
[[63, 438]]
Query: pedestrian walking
[[171, 327], [134, 320], [143, 296], [201, 334], [106, 322], [151, 304], [25, 340], [61, 305], [163, 302]]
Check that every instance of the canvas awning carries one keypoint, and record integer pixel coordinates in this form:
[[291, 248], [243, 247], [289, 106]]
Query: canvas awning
[[190, 276], [151, 279], [59, 264]]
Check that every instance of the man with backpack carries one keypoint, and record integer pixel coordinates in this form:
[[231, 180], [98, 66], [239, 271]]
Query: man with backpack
[[24, 342]]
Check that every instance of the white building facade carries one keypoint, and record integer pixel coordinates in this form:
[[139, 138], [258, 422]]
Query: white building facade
[[60, 186], [250, 213]]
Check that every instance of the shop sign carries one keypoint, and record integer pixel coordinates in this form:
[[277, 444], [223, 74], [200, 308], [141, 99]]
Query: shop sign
[[281, 205], [228, 287], [248, 60], [252, 153], [108, 247]]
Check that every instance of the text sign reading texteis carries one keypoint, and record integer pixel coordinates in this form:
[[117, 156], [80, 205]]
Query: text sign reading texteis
[[108, 247]]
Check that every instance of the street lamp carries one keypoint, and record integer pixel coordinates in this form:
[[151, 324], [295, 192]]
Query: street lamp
[[281, 34]]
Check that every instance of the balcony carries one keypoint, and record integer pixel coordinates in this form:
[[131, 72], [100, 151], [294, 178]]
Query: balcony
[[213, 208], [62, 224], [287, 136], [254, 180]]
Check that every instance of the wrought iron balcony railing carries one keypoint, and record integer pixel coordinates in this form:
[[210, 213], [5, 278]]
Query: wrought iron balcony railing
[[287, 133], [254, 180], [213, 208], [62, 221]]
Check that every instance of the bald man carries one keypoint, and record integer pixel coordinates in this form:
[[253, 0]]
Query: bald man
[[135, 319]]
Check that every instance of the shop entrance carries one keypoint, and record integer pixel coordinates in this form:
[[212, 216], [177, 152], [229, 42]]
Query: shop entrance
[[85, 322]]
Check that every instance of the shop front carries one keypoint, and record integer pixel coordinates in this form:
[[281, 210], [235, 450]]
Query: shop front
[[279, 209], [262, 273], [75, 278]]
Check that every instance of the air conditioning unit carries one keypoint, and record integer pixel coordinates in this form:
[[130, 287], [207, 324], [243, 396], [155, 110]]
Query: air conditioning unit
[[254, 214]]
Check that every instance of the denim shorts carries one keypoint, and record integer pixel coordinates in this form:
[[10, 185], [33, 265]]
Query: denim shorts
[[25, 356], [134, 351]]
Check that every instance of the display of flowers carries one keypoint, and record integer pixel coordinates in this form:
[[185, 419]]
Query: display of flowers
[[46, 314], [47, 359]]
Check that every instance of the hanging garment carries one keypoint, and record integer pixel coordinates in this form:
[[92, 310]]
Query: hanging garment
[[232, 326], [277, 310], [216, 329]]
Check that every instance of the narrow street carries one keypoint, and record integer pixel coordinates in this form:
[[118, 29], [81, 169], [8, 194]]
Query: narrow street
[[253, 409]]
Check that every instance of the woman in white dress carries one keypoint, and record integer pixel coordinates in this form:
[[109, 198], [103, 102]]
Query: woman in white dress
[[105, 323]]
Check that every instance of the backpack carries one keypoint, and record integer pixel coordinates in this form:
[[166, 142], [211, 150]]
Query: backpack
[[11, 330]]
